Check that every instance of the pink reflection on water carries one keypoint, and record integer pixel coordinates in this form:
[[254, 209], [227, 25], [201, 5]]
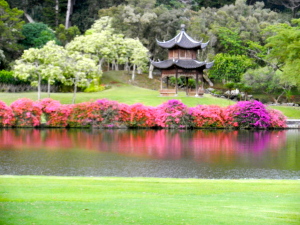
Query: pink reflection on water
[[201, 145]]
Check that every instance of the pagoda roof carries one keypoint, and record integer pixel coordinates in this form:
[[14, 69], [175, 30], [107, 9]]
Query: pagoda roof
[[181, 63], [182, 40]]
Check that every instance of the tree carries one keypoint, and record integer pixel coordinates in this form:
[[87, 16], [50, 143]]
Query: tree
[[138, 55], [293, 5], [268, 81], [284, 50], [230, 67], [64, 36], [36, 35], [44, 63], [229, 86], [10, 29], [104, 45], [78, 70]]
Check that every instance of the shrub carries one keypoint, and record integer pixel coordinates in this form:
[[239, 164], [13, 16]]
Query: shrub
[[94, 88], [6, 77], [251, 114], [111, 112], [6, 115], [173, 114], [277, 119], [27, 113], [228, 115], [56, 114], [139, 115], [207, 116], [86, 114]]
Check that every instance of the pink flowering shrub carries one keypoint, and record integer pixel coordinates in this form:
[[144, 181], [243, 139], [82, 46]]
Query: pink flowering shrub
[[139, 115], [228, 115], [111, 113], [277, 119], [86, 114], [6, 115], [27, 113], [251, 114], [207, 116], [104, 113], [56, 114], [173, 114]]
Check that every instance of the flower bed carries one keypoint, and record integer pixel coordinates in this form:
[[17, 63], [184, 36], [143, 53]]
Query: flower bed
[[172, 114]]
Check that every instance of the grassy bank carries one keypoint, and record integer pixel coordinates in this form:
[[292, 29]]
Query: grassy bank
[[142, 90], [126, 94], [73, 200]]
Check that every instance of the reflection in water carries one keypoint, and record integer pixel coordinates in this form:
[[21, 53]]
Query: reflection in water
[[162, 153]]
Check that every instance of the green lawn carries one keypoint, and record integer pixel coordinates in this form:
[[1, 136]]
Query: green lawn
[[289, 111], [74, 200], [124, 93], [130, 92]]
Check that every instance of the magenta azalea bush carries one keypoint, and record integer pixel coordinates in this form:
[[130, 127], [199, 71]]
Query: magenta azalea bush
[[110, 114], [104, 113], [6, 115], [252, 114], [27, 113]]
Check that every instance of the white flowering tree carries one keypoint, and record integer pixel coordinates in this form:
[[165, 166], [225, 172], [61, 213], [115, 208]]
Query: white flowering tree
[[79, 70], [44, 63]]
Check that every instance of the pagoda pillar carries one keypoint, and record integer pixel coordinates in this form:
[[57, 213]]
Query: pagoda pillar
[[197, 83], [167, 82], [186, 83], [176, 82]]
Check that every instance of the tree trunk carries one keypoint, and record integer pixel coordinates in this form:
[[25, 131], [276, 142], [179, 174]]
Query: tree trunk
[[151, 71], [133, 72], [75, 90], [69, 13], [39, 86], [56, 12], [29, 18], [49, 87], [100, 64]]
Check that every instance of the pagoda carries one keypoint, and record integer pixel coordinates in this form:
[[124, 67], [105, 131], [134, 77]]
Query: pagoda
[[182, 62]]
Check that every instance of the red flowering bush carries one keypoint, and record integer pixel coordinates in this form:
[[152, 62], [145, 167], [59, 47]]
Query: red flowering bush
[[6, 115], [173, 114], [56, 114], [207, 116], [27, 113], [139, 115], [228, 115], [86, 114], [277, 119]]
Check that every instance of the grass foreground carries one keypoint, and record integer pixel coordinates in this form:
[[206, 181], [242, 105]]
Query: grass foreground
[[109, 200]]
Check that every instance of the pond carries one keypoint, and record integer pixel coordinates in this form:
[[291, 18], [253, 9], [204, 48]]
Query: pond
[[212, 154]]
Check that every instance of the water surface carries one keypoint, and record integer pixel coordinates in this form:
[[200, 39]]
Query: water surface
[[151, 153]]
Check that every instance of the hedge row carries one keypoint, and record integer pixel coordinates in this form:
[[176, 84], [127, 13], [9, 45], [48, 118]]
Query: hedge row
[[111, 114]]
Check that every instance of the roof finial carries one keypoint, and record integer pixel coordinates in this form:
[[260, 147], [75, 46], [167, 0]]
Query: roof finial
[[182, 27]]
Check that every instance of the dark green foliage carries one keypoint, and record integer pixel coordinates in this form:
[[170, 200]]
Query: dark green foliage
[[231, 41], [64, 35], [6, 77], [230, 67], [10, 30], [36, 35]]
